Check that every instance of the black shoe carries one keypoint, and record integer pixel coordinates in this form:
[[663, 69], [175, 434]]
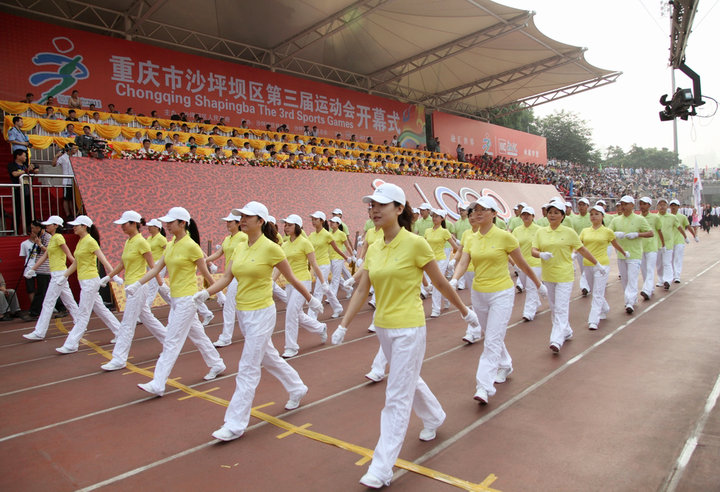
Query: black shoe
[[666, 285], [645, 296], [676, 281], [60, 314], [7, 317], [28, 316], [584, 292], [629, 309]]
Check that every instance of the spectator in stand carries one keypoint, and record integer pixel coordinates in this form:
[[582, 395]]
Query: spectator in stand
[[95, 118], [28, 98], [91, 107], [50, 101], [146, 150], [62, 158], [69, 131], [72, 116], [50, 114], [9, 306], [111, 109], [74, 101], [17, 168], [169, 151], [191, 142], [130, 112], [192, 153], [86, 141], [176, 140], [211, 143], [230, 145], [219, 154], [137, 138], [16, 137], [159, 139], [460, 153]]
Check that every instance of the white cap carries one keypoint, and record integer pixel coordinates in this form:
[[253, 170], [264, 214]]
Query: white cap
[[81, 220], [584, 200], [675, 202], [253, 208], [463, 205], [272, 220], [388, 192], [662, 200], [646, 199], [425, 206], [558, 204], [487, 202], [231, 217], [568, 205], [129, 216], [337, 211], [416, 210], [53, 219], [598, 208], [336, 219], [522, 204], [527, 209], [317, 214], [154, 223], [176, 213], [293, 219], [627, 199], [438, 211], [516, 207], [599, 202]]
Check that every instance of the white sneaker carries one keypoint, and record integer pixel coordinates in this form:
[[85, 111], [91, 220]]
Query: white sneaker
[[372, 304], [294, 400], [336, 314], [592, 326], [32, 336], [225, 434], [374, 377], [481, 396], [371, 328], [114, 340], [221, 343], [555, 347], [323, 335], [427, 434], [150, 389], [113, 365], [502, 374], [470, 338], [214, 371], [372, 482], [289, 353], [349, 294], [434, 314], [66, 350], [569, 337], [206, 320]]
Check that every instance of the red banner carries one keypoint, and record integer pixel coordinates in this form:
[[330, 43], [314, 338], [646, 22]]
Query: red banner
[[50, 60], [480, 138]]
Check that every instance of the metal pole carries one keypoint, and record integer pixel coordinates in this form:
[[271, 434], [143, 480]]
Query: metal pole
[[675, 133]]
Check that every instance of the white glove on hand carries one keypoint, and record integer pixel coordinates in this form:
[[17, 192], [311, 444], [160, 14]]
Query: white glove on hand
[[349, 282], [619, 235], [338, 335], [30, 274], [220, 297], [471, 318], [697, 239], [453, 283], [325, 288], [60, 281], [631, 235], [104, 281], [604, 269], [429, 289], [315, 304], [542, 290], [213, 268], [451, 263], [545, 255], [200, 297], [687, 240], [132, 288], [118, 280], [164, 290], [359, 262]]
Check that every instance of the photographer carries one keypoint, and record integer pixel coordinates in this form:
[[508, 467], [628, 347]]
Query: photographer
[[62, 158], [17, 168], [89, 144]]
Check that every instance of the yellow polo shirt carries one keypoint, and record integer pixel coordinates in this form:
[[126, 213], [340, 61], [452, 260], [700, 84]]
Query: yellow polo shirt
[[651, 244], [396, 271], [436, 239], [252, 266], [296, 253], [56, 256], [525, 236], [86, 259], [683, 222], [230, 243], [467, 235], [157, 243], [668, 225], [321, 242], [597, 241], [180, 258], [339, 237], [581, 222], [421, 225], [514, 223], [132, 258], [631, 223], [372, 235], [489, 255], [561, 242]]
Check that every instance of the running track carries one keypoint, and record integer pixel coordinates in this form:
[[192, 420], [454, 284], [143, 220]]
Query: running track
[[629, 407]]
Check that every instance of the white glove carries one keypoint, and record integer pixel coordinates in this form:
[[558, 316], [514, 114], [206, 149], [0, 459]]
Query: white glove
[[351, 259], [132, 288], [687, 240], [355, 252], [604, 269], [349, 282], [325, 288], [471, 318], [573, 255], [451, 263], [213, 268], [545, 255], [338, 335], [429, 289], [453, 283], [542, 290], [631, 235], [30, 273], [359, 262], [220, 297], [697, 239], [200, 297], [118, 280], [315, 304], [60, 281], [163, 289], [104, 281], [619, 235]]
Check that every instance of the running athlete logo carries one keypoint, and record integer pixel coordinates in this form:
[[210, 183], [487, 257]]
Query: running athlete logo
[[69, 69]]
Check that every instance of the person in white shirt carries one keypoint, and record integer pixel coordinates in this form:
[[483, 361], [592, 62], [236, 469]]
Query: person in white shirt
[[62, 158]]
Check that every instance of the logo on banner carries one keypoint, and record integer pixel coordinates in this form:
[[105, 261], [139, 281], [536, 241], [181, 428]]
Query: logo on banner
[[487, 145], [68, 68]]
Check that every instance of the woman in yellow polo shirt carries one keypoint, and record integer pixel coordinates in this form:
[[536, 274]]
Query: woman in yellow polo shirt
[[337, 262], [57, 253], [252, 266], [235, 236], [395, 266], [525, 233], [554, 245], [437, 236], [472, 334], [596, 239], [183, 257], [158, 243], [323, 243], [136, 258], [87, 254], [300, 254], [493, 292]]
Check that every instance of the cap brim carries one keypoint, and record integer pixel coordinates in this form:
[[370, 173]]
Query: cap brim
[[118, 222], [377, 198], [167, 218]]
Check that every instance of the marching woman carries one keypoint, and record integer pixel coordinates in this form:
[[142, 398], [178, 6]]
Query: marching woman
[[322, 241], [57, 253], [525, 233], [337, 263], [394, 266], [229, 244], [136, 258], [183, 257], [252, 266], [437, 236], [596, 239], [157, 242], [472, 334], [493, 292], [300, 254], [87, 254], [554, 245]]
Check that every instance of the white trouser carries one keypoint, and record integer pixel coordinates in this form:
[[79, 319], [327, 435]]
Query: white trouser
[[90, 301], [346, 275], [182, 323], [336, 268], [598, 281], [532, 299], [678, 253], [153, 287], [229, 309], [136, 308], [279, 294], [493, 310], [664, 265], [204, 311], [647, 268], [258, 350], [630, 271], [559, 299], [584, 281], [467, 279], [379, 363], [318, 293], [295, 317], [51, 295], [405, 391], [437, 297]]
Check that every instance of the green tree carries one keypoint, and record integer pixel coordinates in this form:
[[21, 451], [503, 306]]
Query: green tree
[[568, 138], [521, 119], [638, 157]]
